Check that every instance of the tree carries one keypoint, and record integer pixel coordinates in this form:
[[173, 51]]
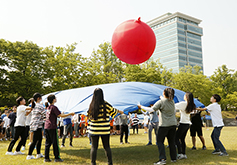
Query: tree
[[24, 70], [63, 68], [224, 80], [103, 67], [149, 71], [198, 84]]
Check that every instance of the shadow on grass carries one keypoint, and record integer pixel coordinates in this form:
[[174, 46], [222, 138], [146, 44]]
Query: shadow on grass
[[143, 155]]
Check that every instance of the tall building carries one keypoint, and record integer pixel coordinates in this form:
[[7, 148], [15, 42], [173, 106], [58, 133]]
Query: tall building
[[178, 40]]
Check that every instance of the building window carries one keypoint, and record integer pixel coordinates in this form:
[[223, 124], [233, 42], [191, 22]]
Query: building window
[[194, 29], [194, 36], [194, 48], [194, 54]]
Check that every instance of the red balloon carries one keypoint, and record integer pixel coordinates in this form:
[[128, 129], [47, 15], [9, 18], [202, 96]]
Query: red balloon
[[133, 41]]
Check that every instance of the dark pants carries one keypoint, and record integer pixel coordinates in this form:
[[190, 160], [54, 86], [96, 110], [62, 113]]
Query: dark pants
[[215, 139], [94, 147], [12, 129], [37, 140], [26, 134], [135, 127], [124, 129], [52, 138], [168, 132], [19, 132], [180, 137], [67, 128]]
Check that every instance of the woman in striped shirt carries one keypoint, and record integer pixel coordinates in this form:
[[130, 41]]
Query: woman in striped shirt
[[98, 113]]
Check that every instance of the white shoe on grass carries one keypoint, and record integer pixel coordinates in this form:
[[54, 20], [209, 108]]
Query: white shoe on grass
[[18, 153], [9, 153], [23, 148], [30, 157], [39, 156]]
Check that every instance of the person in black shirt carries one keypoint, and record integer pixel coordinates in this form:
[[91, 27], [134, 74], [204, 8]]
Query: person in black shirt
[[12, 117], [196, 127]]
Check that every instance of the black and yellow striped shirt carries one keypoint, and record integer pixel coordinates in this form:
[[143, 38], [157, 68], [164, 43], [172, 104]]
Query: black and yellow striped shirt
[[101, 126]]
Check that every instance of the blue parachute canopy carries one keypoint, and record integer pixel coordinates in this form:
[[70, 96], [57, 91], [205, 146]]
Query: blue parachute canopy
[[123, 96]]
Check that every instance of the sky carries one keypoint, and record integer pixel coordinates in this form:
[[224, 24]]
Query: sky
[[92, 22]]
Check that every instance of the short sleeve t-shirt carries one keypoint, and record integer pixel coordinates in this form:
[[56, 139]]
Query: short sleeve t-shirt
[[51, 117], [215, 110], [6, 122], [21, 116], [184, 117]]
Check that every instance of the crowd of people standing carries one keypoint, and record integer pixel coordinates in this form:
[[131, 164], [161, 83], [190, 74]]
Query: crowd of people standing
[[47, 121]]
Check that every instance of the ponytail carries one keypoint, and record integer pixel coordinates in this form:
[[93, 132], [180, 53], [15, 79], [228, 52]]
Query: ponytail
[[35, 97], [169, 93], [33, 103], [46, 104]]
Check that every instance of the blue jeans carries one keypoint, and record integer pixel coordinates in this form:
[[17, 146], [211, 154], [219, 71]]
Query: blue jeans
[[215, 139], [152, 126]]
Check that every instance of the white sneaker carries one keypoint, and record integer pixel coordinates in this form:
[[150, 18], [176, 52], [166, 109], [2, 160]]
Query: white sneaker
[[30, 157], [18, 153], [182, 156], [9, 153], [23, 148], [39, 156]]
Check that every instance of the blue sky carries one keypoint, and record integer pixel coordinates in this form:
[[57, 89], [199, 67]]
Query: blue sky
[[91, 22]]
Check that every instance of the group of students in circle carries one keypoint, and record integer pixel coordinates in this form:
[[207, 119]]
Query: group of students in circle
[[99, 114]]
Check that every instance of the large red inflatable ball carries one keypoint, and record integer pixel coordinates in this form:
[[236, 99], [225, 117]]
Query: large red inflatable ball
[[133, 41]]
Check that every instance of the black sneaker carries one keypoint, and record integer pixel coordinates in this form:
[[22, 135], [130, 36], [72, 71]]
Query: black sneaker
[[193, 148], [58, 160], [47, 160], [204, 148], [149, 144]]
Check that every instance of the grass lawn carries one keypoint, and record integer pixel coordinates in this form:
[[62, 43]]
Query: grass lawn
[[134, 153]]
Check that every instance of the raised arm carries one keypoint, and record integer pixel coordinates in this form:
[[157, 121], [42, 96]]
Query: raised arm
[[149, 109]]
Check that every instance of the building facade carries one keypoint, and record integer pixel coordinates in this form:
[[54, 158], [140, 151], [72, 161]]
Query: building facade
[[178, 40]]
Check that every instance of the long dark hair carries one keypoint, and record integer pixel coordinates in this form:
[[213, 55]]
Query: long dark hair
[[96, 103], [190, 103], [35, 97], [169, 93]]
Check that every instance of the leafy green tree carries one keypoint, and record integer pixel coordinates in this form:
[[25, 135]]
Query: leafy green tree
[[225, 80], [198, 84], [63, 68], [149, 71], [103, 66], [24, 70]]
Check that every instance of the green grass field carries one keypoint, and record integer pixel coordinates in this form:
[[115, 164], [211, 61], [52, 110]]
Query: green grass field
[[134, 153]]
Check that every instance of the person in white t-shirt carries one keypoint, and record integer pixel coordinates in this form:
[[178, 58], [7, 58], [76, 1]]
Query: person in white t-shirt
[[6, 127], [22, 112], [215, 110], [185, 108]]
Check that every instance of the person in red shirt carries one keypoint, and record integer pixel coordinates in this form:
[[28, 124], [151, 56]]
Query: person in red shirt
[[51, 129]]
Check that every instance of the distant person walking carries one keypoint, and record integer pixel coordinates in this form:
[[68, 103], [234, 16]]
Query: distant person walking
[[135, 122], [123, 128]]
